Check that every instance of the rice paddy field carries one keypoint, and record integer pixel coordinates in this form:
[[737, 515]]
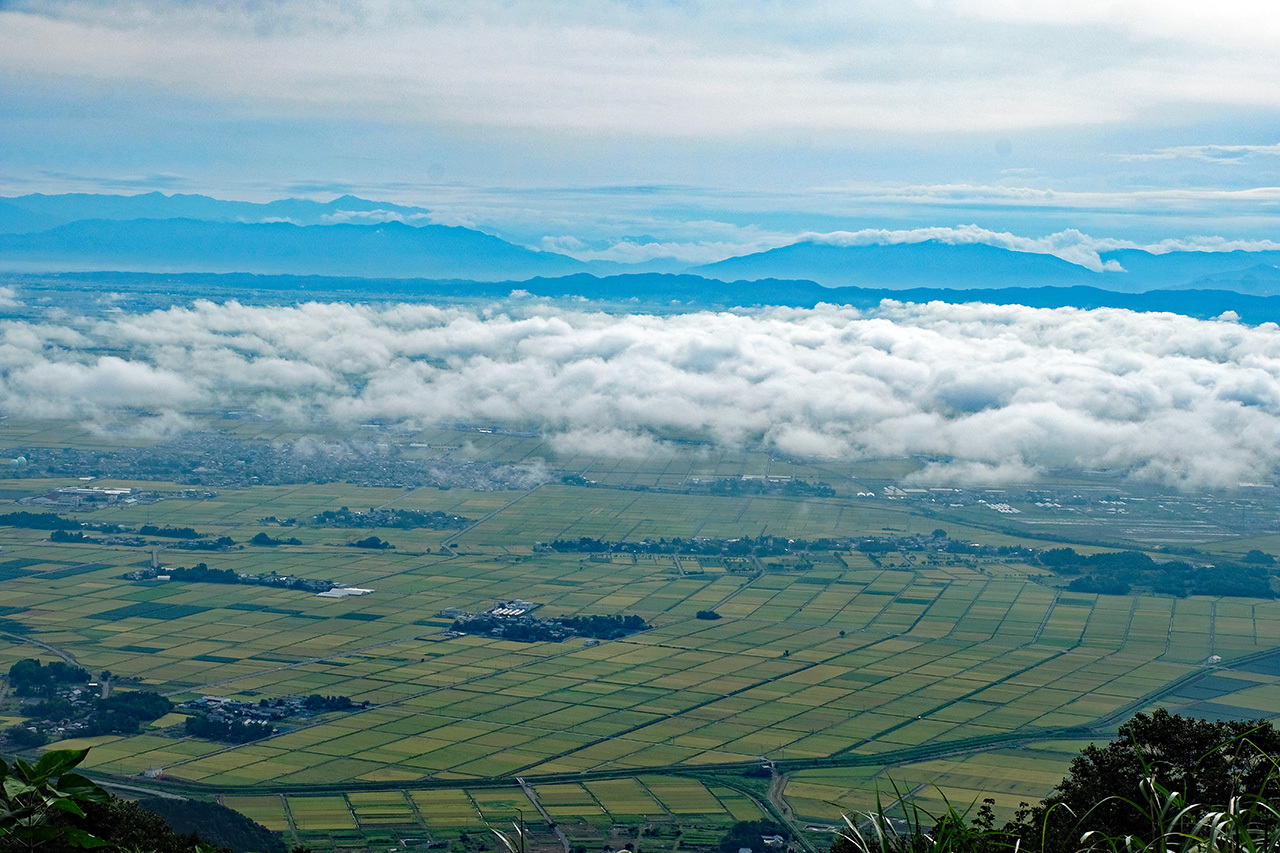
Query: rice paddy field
[[943, 676]]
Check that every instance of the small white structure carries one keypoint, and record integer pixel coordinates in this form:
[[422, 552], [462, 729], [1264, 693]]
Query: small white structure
[[343, 592]]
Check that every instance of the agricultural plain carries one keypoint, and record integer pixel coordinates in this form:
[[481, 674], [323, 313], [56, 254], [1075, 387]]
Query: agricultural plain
[[844, 672]]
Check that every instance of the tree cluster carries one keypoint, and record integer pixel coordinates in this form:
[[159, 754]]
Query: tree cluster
[[602, 627], [262, 540], [62, 534], [226, 730], [317, 703], [170, 532], [403, 519], [32, 678], [1117, 573], [750, 834], [372, 543], [529, 629], [201, 573], [222, 543]]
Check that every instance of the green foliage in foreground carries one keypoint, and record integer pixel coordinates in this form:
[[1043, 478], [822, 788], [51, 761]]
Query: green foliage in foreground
[[48, 808], [35, 800], [1169, 783]]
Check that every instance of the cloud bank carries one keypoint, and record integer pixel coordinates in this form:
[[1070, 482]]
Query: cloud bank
[[986, 392], [926, 67]]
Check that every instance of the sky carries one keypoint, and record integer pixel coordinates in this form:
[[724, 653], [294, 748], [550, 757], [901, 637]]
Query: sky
[[630, 129]]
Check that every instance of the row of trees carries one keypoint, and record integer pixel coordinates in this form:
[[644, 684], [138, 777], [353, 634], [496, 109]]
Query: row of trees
[[404, 519]]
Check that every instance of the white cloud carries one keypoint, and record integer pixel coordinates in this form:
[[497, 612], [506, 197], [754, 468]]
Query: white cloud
[[659, 69], [989, 393], [373, 217]]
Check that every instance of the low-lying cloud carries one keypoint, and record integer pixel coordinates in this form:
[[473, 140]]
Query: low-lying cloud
[[1070, 245], [986, 393]]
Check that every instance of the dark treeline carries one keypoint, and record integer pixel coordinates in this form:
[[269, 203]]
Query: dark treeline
[[39, 521], [763, 546], [316, 702], [170, 532], [201, 573], [62, 534], [1118, 573], [404, 519], [529, 629], [372, 543], [262, 540], [226, 730], [602, 627], [222, 543], [777, 546]]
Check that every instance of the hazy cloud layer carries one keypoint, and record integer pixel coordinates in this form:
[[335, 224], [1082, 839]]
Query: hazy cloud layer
[[988, 392], [947, 65], [1229, 154]]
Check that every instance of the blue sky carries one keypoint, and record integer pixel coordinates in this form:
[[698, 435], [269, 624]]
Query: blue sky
[[695, 129]]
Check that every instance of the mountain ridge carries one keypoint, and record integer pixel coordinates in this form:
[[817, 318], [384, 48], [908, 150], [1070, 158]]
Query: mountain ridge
[[389, 249], [352, 236]]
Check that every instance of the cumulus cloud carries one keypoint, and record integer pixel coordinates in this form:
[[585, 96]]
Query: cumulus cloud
[[988, 393]]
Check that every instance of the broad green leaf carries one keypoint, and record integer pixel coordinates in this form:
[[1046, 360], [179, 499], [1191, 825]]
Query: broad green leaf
[[69, 806]]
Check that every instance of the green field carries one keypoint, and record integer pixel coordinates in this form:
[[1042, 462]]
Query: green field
[[849, 671]]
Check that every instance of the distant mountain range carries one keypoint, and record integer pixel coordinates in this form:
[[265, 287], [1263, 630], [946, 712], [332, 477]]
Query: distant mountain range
[[350, 236], [977, 265], [39, 212], [389, 249]]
